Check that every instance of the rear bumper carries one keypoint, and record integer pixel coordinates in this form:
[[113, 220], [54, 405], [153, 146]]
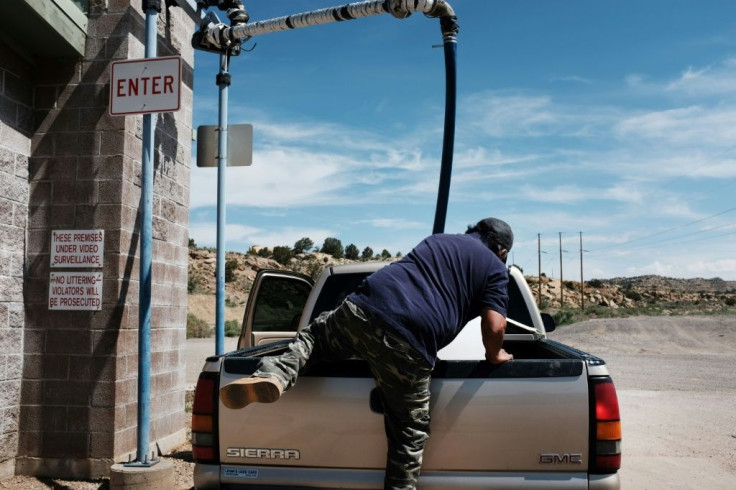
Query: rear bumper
[[604, 482], [208, 477]]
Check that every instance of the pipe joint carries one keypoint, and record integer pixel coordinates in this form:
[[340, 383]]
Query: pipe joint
[[223, 79], [151, 5], [449, 27], [398, 8], [236, 13]]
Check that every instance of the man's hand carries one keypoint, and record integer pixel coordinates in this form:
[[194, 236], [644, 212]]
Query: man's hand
[[502, 357], [492, 328]]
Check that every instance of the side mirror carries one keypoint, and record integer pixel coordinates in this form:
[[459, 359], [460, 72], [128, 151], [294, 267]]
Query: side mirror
[[548, 322]]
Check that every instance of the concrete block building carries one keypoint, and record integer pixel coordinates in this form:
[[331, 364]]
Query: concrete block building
[[68, 377]]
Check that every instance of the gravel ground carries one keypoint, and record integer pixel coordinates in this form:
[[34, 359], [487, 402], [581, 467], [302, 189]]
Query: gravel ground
[[676, 388]]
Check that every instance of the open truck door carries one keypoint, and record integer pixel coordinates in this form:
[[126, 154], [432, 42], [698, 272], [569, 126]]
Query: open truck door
[[275, 305]]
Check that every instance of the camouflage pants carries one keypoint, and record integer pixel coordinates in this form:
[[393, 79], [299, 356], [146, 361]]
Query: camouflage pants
[[402, 378]]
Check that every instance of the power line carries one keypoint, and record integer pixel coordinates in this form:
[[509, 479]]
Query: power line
[[707, 162], [619, 245], [684, 236]]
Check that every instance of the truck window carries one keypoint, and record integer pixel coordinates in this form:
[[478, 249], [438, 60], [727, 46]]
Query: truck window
[[279, 305], [517, 309], [336, 288]]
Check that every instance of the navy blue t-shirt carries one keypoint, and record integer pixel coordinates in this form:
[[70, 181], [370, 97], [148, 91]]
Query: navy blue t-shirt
[[430, 294]]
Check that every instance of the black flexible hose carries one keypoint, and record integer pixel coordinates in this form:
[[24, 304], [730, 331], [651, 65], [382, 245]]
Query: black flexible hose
[[448, 141]]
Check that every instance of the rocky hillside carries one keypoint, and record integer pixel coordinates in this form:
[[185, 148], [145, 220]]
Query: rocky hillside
[[641, 294]]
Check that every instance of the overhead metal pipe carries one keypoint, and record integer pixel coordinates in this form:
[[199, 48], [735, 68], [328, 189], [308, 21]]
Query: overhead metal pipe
[[216, 37]]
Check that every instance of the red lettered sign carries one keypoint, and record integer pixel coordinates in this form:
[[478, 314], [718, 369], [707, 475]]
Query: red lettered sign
[[145, 86]]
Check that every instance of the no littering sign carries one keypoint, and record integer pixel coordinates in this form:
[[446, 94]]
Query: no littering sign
[[75, 291]]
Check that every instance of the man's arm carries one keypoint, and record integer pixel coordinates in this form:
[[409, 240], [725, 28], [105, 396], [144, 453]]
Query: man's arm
[[492, 327]]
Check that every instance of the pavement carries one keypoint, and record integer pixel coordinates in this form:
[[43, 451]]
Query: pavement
[[197, 351]]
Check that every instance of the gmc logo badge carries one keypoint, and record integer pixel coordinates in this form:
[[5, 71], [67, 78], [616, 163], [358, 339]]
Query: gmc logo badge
[[566, 458]]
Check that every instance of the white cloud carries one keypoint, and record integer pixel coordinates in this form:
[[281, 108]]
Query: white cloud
[[572, 78], [708, 81], [237, 236], [395, 224], [684, 126]]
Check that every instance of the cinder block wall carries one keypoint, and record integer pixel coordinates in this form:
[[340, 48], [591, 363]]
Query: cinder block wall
[[78, 409], [16, 118]]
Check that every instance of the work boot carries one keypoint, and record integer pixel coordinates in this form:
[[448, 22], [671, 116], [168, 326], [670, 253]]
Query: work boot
[[244, 391]]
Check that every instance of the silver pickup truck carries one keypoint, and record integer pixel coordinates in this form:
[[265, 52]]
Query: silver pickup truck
[[549, 419]]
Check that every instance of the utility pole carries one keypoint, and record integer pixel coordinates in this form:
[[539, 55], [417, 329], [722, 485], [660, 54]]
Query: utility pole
[[582, 284], [562, 289], [539, 264]]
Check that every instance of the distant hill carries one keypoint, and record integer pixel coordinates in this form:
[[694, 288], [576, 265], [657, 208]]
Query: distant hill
[[645, 295], [715, 285]]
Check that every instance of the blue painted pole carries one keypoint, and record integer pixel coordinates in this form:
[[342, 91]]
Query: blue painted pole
[[223, 82], [146, 261]]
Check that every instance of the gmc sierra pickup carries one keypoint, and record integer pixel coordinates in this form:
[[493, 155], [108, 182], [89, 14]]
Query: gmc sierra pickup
[[549, 419]]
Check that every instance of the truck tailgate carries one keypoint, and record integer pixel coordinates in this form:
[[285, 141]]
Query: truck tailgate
[[517, 418]]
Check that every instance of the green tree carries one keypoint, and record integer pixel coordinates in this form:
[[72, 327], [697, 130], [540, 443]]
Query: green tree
[[282, 254], [192, 243], [352, 252], [303, 245], [332, 246], [385, 254], [367, 253]]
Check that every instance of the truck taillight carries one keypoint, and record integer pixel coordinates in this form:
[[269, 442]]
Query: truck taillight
[[605, 427], [204, 429]]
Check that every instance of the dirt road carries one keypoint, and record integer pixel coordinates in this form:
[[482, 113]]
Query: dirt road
[[677, 393]]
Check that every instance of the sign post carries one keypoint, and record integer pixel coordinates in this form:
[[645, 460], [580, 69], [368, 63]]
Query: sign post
[[146, 86]]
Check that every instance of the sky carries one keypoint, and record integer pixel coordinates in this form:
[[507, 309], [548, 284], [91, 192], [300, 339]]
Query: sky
[[610, 121]]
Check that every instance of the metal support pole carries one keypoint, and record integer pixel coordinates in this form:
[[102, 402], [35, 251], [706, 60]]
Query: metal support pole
[[223, 82], [146, 259]]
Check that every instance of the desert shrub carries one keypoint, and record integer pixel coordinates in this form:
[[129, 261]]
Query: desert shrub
[[282, 255], [230, 266], [232, 328], [595, 283], [730, 301], [197, 328], [314, 269], [192, 282]]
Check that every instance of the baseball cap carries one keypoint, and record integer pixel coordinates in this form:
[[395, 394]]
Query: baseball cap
[[498, 231]]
